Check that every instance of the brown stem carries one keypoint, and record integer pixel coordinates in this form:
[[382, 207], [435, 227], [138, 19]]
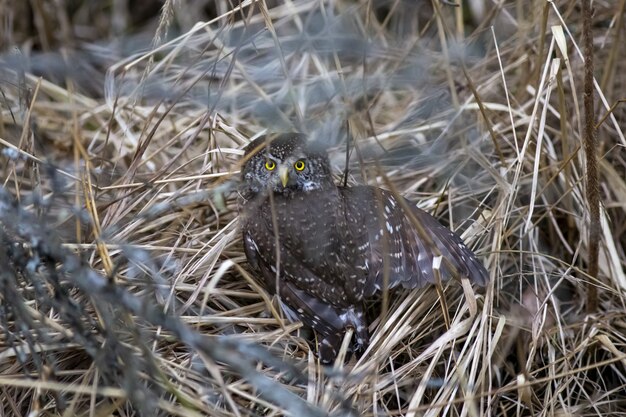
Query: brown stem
[[590, 142]]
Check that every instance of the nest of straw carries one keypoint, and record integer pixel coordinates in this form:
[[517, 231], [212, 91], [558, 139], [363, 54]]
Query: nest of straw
[[124, 289]]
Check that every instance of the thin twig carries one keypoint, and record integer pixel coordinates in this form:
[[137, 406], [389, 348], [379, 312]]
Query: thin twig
[[591, 145]]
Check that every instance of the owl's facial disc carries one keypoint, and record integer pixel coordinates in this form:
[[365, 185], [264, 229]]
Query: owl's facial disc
[[289, 173], [292, 173], [286, 164]]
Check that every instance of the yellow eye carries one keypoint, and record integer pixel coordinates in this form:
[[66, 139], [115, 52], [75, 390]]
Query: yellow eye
[[299, 165], [270, 165]]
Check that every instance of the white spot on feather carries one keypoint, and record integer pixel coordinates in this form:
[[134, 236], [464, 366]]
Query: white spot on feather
[[252, 242], [437, 262], [350, 317]]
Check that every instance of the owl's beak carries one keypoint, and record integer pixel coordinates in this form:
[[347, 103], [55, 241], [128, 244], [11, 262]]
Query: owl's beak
[[283, 173]]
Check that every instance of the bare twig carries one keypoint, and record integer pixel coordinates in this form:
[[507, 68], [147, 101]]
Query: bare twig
[[591, 146]]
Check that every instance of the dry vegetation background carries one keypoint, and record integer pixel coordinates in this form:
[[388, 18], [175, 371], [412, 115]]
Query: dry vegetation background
[[123, 285]]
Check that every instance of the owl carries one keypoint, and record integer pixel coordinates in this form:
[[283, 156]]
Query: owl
[[326, 249]]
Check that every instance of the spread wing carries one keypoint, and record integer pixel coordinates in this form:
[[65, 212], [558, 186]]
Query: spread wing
[[400, 248]]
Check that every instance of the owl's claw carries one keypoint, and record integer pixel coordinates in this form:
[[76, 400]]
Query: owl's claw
[[362, 341], [362, 334], [328, 346]]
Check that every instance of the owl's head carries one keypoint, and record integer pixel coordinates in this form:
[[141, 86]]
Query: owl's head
[[285, 163]]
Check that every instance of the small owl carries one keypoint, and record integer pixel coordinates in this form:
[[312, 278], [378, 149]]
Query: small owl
[[325, 249]]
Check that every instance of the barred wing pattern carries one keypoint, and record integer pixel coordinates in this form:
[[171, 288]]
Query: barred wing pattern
[[405, 245]]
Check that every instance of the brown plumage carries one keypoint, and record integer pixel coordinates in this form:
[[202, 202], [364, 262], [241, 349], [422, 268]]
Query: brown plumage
[[324, 248]]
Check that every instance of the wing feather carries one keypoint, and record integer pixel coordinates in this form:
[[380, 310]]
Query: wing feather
[[402, 242]]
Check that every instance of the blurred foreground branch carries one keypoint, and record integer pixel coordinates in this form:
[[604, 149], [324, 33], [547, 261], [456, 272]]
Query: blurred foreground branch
[[30, 248]]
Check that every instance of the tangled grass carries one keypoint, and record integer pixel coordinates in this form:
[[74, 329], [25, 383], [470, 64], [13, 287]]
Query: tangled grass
[[123, 284]]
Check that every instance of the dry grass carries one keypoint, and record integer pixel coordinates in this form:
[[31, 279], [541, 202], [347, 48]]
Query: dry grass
[[123, 285]]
